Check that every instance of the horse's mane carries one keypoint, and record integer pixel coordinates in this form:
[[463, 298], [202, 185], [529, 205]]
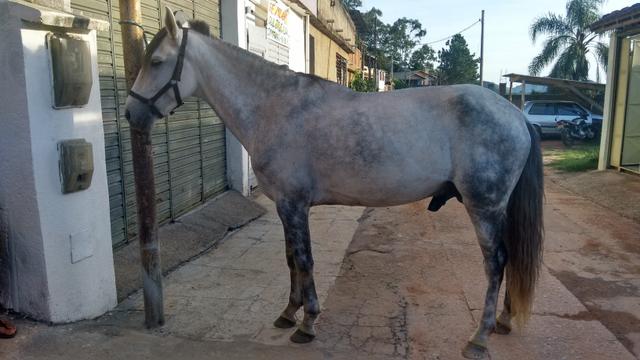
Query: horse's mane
[[281, 69], [202, 28]]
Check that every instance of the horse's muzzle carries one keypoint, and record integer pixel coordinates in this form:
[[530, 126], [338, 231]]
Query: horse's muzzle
[[138, 115]]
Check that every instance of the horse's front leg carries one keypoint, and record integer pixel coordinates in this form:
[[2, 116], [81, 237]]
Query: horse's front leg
[[489, 229], [295, 219], [288, 317]]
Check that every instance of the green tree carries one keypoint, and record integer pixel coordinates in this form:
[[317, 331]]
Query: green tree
[[569, 41], [457, 64], [352, 4], [400, 39], [423, 58], [371, 33]]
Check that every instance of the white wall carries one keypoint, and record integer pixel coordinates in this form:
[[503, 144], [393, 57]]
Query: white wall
[[234, 31], [297, 42], [22, 253], [60, 260], [236, 26]]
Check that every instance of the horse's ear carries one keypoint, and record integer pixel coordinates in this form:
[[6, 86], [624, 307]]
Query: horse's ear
[[170, 23], [181, 19]]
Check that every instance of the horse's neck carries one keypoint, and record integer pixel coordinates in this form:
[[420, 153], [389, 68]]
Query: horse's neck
[[238, 85]]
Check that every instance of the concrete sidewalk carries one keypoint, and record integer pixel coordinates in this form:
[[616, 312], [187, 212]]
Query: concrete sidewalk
[[394, 283], [219, 305]]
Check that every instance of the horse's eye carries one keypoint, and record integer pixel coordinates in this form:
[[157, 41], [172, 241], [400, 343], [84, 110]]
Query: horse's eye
[[156, 62]]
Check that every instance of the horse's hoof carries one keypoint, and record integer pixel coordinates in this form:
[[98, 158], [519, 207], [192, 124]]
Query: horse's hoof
[[475, 351], [301, 337], [284, 323], [502, 329]]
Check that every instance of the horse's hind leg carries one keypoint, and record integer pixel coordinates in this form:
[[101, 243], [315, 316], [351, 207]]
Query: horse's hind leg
[[488, 226], [503, 325], [295, 219]]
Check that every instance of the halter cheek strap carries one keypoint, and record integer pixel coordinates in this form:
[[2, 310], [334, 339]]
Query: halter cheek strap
[[171, 84]]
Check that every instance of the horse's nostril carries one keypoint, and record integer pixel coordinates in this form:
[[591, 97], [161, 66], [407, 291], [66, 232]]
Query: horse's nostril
[[127, 115]]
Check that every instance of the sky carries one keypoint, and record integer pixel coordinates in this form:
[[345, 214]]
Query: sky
[[507, 44]]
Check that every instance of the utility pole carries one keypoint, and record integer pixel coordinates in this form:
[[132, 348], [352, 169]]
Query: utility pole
[[142, 152], [391, 79], [375, 46], [482, 48]]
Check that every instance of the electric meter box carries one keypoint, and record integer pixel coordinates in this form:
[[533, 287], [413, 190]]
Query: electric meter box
[[70, 65], [76, 165]]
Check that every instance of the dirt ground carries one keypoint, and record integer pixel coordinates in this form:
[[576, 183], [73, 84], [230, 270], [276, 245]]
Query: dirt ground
[[415, 263], [604, 273]]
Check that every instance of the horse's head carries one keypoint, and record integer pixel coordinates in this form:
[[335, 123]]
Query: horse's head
[[166, 76]]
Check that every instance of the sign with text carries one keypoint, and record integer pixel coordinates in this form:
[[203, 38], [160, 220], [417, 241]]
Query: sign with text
[[277, 22]]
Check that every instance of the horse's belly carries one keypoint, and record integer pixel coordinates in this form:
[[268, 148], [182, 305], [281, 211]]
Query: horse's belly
[[380, 189]]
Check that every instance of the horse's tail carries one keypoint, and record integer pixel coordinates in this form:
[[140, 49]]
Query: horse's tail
[[524, 233]]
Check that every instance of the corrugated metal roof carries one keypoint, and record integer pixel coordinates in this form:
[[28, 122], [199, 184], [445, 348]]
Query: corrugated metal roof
[[623, 18]]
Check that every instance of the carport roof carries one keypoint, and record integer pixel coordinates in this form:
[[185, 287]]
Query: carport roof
[[622, 19], [555, 82], [570, 85]]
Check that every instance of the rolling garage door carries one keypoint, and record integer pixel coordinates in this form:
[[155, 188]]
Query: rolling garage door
[[189, 146]]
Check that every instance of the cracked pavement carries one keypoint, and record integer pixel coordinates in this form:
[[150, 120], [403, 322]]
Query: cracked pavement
[[394, 283]]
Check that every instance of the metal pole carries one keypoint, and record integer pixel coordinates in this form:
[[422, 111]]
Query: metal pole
[[142, 152], [391, 80], [510, 91], [482, 48], [522, 94]]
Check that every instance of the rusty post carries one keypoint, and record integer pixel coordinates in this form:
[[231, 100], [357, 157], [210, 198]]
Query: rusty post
[[142, 152]]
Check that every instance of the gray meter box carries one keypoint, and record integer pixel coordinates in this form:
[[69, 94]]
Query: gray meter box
[[70, 60], [76, 165]]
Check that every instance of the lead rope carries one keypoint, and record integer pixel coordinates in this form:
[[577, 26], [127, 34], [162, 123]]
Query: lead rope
[[144, 32]]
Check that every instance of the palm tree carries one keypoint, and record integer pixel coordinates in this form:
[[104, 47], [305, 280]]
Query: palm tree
[[570, 41]]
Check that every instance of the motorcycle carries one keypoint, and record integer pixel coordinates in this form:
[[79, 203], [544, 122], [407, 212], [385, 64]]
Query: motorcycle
[[575, 129]]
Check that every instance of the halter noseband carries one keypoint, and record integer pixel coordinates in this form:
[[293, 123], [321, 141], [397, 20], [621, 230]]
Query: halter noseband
[[171, 84]]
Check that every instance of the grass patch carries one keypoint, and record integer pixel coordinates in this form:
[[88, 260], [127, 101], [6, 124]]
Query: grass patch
[[574, 159]]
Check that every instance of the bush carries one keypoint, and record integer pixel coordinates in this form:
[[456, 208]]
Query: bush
[[359, 83], [399, 84]]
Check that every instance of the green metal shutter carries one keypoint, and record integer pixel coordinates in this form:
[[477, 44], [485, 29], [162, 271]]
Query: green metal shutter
[[189, 148]]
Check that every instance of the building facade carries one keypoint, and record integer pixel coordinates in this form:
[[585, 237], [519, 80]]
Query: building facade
[[332, 43], [620, 140], [60, 244], [189, 146]]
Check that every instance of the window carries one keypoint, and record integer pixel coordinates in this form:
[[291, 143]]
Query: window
[[341, 70], [569, 109], [312, 55], [542, 109]]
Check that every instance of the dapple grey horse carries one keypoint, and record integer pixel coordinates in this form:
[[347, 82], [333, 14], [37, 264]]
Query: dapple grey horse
[[314, 142]]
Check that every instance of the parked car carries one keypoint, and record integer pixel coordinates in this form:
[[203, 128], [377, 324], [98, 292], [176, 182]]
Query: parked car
[[545, 114]]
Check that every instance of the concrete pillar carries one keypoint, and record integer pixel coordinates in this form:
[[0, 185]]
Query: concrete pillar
[[56, 261], [609, 105]]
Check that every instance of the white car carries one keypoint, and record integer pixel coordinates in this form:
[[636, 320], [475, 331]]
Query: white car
[[545, 114]]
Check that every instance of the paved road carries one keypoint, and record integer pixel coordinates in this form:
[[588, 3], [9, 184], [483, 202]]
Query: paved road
[[394, 283]]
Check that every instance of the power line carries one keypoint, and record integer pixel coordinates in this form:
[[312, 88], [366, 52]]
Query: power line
[[450, 36]]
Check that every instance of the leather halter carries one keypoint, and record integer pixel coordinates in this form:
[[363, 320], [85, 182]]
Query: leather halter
[[171, 84]]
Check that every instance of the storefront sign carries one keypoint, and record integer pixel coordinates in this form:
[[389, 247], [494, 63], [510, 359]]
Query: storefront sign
[[277, 22]]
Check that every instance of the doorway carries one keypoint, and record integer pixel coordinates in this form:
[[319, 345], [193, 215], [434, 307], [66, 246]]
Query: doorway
[[630, 156]]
